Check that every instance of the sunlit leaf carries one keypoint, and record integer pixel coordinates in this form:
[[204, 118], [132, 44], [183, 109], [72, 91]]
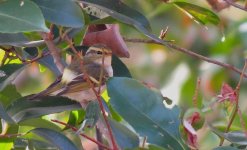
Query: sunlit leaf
[[197, 13], [15, 17]]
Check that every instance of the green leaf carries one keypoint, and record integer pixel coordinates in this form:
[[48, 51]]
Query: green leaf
[[9, 94], [8, 73], [66, 13], [124, 136], [14, 39], [57, 139], [120, 11], [125, 14], [24, 108], [4, 115], [39, 122], [92, 114], [143, 109], [225, 148], [119, 68], [15, 17], [236, 137], [197, 13]]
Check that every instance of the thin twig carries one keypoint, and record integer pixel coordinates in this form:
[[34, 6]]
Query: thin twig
[[219, 5], [54, 50], [103, 111], [190, 53], [11, 135], [195, 97], [83, 135], [236, 5], [96, 94], [235, 110]]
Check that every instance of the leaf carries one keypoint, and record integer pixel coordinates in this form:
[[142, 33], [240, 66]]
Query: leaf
[[119, 68], [4, 115], [25, 108], [225, 148], [39, 122], [197, 13], [124, 136], [120, 11], [57, 139], [125, 14], [66, 13], [143, 109], [15, 17], [236, 137], [14, 39], [8, 73]]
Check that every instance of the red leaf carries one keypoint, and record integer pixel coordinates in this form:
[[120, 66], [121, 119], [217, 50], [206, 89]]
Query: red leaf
[[227, 93], [191, 134]]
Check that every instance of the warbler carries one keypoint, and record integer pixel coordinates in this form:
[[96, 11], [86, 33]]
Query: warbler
[[74, 83]]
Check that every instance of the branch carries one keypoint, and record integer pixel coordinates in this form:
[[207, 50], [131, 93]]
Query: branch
[[219, 5], [54, 50], [236, 5], [236, 108], [81, 134], [190, 53]]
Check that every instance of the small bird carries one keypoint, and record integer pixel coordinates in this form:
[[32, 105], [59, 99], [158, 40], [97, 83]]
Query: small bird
[[94, 66]]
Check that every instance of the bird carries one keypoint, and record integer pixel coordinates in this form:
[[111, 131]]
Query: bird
[[77, 79]]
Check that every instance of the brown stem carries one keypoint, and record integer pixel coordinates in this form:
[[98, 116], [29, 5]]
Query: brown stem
[[190, 53], [83, 135], [54, 50], [235, 110], [11, 135], [103, 112], [99, 137], [236, 5], [195, 97], [96, 94]]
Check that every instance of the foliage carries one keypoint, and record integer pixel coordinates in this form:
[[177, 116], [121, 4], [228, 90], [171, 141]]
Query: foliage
[[39, 37]]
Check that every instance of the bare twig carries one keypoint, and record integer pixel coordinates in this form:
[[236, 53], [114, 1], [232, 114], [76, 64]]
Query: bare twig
[[54, 50], [236, 5], [11, 135], [236, 108], [190, 53], [102, 110], [96, 94], [81, 134], [195, 97], [219, 5]]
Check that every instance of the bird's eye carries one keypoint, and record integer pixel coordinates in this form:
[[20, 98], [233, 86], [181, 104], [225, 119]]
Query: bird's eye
[[99, 53]]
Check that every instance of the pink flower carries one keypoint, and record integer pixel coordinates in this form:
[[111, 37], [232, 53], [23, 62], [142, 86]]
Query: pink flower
[[227, 93]]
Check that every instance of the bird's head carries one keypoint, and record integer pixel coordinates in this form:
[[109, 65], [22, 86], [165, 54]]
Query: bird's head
[[98, 53]]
